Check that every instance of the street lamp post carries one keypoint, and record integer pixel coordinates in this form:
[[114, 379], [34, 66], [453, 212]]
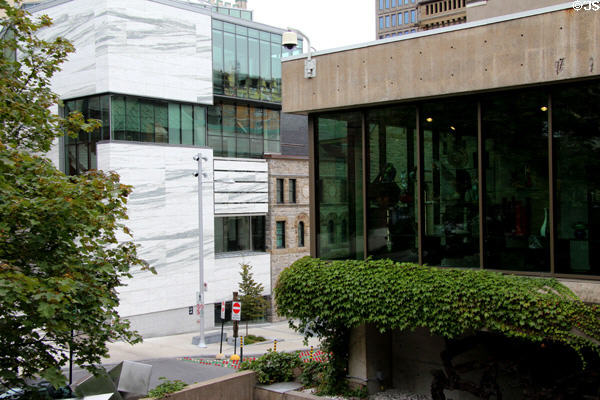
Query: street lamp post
[[200, 300]]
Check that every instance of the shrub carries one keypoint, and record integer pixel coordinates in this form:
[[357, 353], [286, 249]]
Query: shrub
[[166, 387], [273, 367]]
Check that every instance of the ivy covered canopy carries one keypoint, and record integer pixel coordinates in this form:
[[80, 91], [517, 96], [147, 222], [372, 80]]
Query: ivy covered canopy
[[328, 295]]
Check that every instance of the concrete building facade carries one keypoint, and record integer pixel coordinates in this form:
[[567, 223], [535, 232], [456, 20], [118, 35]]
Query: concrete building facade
[[477, 154]]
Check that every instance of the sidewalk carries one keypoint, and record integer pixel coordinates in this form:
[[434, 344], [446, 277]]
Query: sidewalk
[[181, 345]]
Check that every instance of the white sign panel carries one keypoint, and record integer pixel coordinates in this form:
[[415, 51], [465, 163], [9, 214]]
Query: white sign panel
[[222, 310], [236, 311]]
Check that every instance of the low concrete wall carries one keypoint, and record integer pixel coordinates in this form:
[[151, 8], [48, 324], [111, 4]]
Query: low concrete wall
[[239, 386]]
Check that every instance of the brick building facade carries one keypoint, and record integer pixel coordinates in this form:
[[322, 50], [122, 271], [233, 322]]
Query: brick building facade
[[288, 221]]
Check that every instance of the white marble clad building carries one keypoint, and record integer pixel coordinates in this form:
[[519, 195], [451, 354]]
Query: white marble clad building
[[163, 217], [151, 48], [161, 51]]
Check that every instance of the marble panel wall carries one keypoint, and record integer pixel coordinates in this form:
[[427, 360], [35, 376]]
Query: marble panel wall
[[163, 217], [137, 47], [241, 186]]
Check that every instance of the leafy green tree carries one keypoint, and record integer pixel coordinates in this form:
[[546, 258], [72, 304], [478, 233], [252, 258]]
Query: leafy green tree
[[253, 303], [60, 260]]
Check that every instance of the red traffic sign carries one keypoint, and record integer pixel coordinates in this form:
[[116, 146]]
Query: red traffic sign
[[236, 310]]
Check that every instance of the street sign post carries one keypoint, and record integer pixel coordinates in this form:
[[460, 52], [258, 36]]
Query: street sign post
[[236, 311]]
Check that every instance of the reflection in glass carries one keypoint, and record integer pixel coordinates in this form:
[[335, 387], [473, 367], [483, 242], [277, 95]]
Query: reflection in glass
[[258, 233], [515, 128], [576, 125], [339, 185], [391, 191], [450, 188]]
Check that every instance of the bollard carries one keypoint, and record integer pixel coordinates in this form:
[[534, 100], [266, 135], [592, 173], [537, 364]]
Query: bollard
[[275, 345], [241, 349], [311, 353]]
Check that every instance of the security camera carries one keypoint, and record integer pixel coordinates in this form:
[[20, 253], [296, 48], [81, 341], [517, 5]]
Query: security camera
[[289, 40]]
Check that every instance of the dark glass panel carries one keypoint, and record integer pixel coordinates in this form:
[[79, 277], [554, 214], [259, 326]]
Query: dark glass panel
[[515, 129], [258, 233], [82, 158], [214, 117], [215, 143], [253, 69], [132, 119], [300, 234], [229, 120], [174, 124], [217, 50], [161, 120], [72, 159], [232, 234], [187, 124], [292, 190], [451, 187], [256, 122], [229, 149], [339, 185], [272, 146], [241, 79], [243, 147], [276, 71], [271, 118], [576, 124], [279, 195], [199, 126], [242, 126], [105, 105], [147, 121], [229, 64], [118, 117], [95, 113], [391, 191], [265, 70], [280, 234], [256, 148]]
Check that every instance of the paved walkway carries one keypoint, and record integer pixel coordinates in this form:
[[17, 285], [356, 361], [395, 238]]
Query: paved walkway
[[181, 345]]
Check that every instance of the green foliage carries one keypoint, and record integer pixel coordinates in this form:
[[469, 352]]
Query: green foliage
[[330, 297], [327, 295], [166, 387], [251, 339], [273, 367], [60, 260], [253, 304], [312, 373]]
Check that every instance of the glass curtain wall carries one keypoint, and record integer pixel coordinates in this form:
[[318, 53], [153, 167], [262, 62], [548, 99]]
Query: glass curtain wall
[[450, 187], [144, 120], [576, 131], [236, 234], [247, 62], [240, 130], [488, 154], [515, 134], [391, 186], [80, 152], [339, 186]]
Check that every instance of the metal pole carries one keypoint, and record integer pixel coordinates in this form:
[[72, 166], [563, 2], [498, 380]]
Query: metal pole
[[221, 347], [200, 299], [71, 359], [241, 348]]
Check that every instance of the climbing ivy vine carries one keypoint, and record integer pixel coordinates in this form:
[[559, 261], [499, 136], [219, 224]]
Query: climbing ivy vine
[[329, 297]]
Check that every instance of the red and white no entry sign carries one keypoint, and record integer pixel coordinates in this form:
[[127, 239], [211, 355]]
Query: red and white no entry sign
[[236, 311]]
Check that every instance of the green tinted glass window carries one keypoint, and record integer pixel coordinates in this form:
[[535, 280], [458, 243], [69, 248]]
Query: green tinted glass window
[[174, 124], [199, 126], [187, 124]]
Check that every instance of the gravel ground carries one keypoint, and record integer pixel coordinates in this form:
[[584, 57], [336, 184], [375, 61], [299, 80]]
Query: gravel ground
[[394, 394], [391, 394]]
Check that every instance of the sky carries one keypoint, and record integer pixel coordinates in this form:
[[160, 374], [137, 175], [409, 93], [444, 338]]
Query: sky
[[327, 23]]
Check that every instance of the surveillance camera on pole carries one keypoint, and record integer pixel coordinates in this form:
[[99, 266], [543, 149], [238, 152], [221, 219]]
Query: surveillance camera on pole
[[289, 40]]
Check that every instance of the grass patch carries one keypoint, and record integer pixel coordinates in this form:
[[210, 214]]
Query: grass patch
[[251, 339]]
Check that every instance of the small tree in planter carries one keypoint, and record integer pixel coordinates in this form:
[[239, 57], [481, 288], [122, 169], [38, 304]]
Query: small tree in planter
[[253, 304]]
